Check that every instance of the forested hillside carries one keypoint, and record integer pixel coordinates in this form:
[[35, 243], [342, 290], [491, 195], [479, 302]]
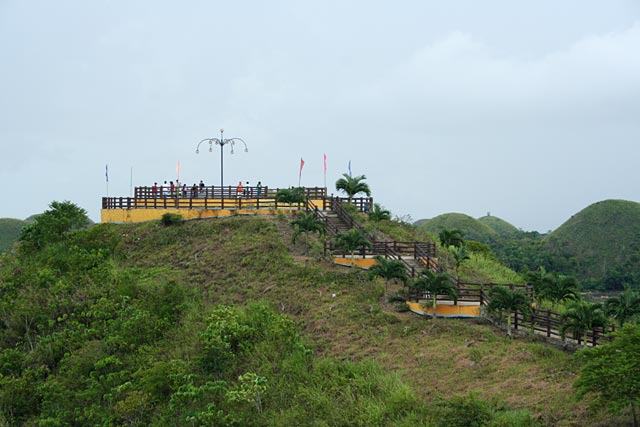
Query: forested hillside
[[9, 232], [215, 323]]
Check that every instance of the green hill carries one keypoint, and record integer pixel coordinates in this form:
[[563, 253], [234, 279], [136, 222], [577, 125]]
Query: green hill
[[9, 232], [217, 322], [473, 229], [600, 243], [504, 229]]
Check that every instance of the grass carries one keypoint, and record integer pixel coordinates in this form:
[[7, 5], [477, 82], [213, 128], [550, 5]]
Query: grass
[[236, 260]]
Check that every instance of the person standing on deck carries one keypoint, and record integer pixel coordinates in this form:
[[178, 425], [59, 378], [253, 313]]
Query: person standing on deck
[[239, 189]]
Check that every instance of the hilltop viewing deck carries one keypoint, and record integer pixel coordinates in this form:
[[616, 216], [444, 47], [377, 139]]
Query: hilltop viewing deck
[[204, 201]]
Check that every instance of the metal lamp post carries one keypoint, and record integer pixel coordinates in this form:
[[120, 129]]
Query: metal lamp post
[[221, 142]]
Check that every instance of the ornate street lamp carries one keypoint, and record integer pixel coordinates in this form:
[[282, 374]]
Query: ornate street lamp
[[221, 142]]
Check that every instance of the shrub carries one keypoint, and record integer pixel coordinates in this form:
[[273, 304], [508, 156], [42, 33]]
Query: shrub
[[169, 219]]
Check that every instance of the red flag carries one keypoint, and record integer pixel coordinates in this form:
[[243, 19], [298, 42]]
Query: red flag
[[325, 163], [178, 169], [301, 166]]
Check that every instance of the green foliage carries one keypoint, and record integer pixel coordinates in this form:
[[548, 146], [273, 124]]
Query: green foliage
[[170, 219], [611, 372], [389, 269], [581, 318], [378, 213], [353, 186], [307, 223], [460, 254], [10, 230], [351, 241], [624, 307], [600, 243], [473, 411], [291, 195], [504, 301], [451, 237], [53, 224], [435, 284]]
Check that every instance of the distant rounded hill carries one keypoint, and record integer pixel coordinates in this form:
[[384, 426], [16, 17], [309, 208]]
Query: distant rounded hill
[[500, 226], [9, 232], [472, 228], [604, 235]]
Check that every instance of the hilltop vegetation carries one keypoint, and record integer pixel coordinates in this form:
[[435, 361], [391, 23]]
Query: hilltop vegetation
[[600, 244], [213, 322], [9, 231]]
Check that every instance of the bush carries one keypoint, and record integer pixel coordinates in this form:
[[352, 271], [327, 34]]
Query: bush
[[169, 219]]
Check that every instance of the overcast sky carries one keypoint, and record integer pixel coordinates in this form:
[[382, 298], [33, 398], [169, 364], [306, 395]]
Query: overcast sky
[[529, 110]]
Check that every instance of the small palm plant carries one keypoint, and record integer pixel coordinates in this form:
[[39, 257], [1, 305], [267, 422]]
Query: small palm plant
[[353, 185], [351, 241], [624, 307], [460, 255], [389, 270], [582, 317], [454, 237], [503, 300], [559, 288], [435, 284], [307, 223], [378, 213]]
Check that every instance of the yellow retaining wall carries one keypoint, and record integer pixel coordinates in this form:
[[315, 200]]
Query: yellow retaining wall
[[445, 310], [141, 215], [365, 263]]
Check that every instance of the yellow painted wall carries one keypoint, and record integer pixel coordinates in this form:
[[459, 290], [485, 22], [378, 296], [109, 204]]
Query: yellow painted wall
[[141, 215], [446, 310], [365, 263]]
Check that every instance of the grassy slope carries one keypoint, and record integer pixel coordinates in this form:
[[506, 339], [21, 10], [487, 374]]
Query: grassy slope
[[472, 228], [500, 226], [9, 232], [598, 237], [242, 259]]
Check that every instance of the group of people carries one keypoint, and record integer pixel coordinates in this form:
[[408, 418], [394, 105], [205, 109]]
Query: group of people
[[176, 190], [247, 191]]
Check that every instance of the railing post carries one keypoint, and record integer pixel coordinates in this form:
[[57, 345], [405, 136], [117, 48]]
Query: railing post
[[548, 323], [515, 319]]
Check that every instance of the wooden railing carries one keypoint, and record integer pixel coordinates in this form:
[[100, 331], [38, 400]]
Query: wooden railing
[[197, 203], [217, 192]]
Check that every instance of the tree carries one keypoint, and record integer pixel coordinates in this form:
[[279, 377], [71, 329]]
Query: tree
[[353, 185], [389, 269], [539, 280], [307, 223], [624, 307], [352, 240], [435, 284], [460, 255], [582, 317], [290, 195], [378, 213], [611, 372], [504, 300], [53, 224], [559, 288], [454, 237]]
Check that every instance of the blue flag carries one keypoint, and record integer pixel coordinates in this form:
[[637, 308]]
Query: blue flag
[[106, 172], [350, 168]]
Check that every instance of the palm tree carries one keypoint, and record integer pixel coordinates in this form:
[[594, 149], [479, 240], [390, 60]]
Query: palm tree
[[540, 280], [454, 237], [504, 300], [378, 213], [352, 240], [582, 317], [624, 307], [290, 195], [389, 269], [353, 185], [436, 284], [559, 288], [460, 255], [307, 223]]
